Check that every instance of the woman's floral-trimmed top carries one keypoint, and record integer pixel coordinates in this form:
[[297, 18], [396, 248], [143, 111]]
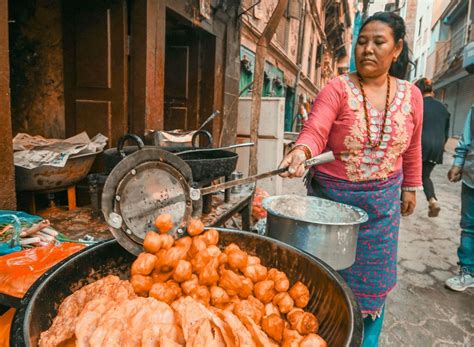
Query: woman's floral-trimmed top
[[337, 122]]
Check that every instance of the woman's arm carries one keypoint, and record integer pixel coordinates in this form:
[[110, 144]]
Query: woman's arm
[[314, 135], [325, 109], [412, 157]]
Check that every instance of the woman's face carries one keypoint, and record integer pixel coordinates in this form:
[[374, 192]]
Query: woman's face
[[376, 49]]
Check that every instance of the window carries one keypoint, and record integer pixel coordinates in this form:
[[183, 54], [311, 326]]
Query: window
[[420, 22]]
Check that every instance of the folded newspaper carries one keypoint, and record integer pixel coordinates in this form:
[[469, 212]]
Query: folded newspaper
[[33, 151]]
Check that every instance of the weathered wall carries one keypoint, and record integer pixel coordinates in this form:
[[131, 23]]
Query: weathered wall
[[37, 78], [7, 178]]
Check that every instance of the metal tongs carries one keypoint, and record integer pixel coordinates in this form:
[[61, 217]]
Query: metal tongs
[[196, 194]]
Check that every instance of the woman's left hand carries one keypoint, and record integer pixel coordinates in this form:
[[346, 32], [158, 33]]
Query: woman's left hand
[[408, 203]]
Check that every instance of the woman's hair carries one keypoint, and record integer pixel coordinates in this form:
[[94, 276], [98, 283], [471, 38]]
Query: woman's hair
[[395, 22], [424, 85]]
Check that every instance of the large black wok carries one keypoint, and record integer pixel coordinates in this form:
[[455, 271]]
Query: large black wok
[[331, 299], [205, 165]]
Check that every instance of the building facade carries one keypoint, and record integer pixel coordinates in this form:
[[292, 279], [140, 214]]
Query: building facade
[[452, 31], [311, 45]]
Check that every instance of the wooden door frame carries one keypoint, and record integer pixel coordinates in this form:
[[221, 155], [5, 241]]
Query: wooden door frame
[[7, 173]]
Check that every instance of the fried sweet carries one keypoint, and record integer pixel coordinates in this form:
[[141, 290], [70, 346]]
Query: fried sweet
[[300, 294], [183, 271], [189, 285], [152, 242], [284, 302], [144, 264], [303, 322], [274, 326], [255, 272], [141, 284], [313, 340], [282, 284], [195, 227], [264, 291], [231, 282], [211, 237], [219, 296], [164, 223]]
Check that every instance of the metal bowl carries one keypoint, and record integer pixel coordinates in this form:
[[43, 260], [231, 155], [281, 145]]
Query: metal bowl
[[324, 228], [331, 300], [47, 178]]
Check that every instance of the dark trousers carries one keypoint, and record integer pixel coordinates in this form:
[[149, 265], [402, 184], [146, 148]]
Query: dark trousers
[[428, 187]]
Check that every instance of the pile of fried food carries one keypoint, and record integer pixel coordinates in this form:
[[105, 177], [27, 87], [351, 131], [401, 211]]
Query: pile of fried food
[[189, 293]]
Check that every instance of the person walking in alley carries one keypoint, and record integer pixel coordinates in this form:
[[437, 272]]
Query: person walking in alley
[[463, 168], [434, 136], [372, 121], [300, 119]]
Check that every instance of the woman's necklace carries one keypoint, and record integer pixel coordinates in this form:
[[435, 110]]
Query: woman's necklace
[[367, 121]]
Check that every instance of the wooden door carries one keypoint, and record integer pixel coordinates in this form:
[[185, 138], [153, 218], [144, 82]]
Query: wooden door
[[181, 79], [95, 67]]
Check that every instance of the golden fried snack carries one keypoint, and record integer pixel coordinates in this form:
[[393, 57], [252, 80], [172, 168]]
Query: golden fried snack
[[213, 251], [171, 258], [300, 294], [144, 264], [313, 340], [167, 241], [183, 271], [245, 308], [161, 277], [255, 272], [291, 338], [264, 291], [282, 284], [198, 245], [164, 223], [189, 285], [163, 292], [270, 308], [219, 296], [202, 294], [63, 326], [175, 288], [259, 337], [253, 260], [231, 282], [284, 302], [200, 260], [231, 247], [239, 330], [274, 326], [184, 242], [209, 276], [211, 237], [237, 259], [152, 242], [247, 288], [141, 284], [222, 258], [195, 227], [303, 322]]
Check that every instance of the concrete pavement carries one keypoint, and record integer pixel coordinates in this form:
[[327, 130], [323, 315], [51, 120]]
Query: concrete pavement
[[421, 311]]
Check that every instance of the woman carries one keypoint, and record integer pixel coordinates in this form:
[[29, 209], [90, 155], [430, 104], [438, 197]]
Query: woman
[[433, 138], [372, 121]]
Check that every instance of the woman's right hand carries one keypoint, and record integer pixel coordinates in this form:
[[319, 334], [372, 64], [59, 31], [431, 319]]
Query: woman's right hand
[[295, 161]]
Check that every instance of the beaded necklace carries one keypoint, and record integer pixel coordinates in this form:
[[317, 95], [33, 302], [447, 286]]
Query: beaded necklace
[[367, 121]]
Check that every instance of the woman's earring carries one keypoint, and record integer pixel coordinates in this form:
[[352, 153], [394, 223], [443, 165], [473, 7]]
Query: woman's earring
[[395, 59]]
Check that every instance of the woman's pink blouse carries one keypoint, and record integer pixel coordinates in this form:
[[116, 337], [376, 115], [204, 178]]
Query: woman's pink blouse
[[337, 123]]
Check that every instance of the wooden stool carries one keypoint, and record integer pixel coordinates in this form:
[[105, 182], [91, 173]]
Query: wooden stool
[[30, 198]]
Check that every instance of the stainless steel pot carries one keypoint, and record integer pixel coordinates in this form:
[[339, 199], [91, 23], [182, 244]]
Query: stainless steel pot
[[323, 228]]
